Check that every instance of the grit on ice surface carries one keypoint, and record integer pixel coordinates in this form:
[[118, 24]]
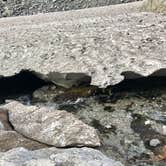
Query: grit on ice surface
[[101, 42]]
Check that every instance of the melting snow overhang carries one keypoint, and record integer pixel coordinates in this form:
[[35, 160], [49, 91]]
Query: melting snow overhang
[[107, 44]]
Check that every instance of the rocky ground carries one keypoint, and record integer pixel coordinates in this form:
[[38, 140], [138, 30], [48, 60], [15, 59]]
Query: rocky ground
[[28, 7]]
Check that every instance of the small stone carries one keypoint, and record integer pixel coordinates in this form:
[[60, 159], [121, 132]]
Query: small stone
[[47, 93], [164, 130], [147, 122], [154, 142], [1, 126]]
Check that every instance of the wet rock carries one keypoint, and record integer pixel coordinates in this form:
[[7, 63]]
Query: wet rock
[[127, 125], [50, 126], [147, 133], [128, 122], [47, 93], [53, 156], [154, 142], [4, 120], [154, 5], [75, 93], [12, 139], [56, 94], [15, 8]]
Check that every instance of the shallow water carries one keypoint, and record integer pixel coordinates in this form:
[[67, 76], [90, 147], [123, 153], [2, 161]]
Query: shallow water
[[126, 120]]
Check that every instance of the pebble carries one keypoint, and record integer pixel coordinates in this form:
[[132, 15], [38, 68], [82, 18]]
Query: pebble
[[147, 122], [1, 126], [164, 130], [154, 142]]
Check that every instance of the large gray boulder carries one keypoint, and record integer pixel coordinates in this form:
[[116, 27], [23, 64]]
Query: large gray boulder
[[28, 7], [56, 157], [52, 127], [100, 42]]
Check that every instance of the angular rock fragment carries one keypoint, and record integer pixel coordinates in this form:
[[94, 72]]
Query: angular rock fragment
[[53, 127], [56, 157], [12, 139]]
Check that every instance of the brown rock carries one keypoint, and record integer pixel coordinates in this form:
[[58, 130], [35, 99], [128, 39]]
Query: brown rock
[[12, 139], [4, 121]]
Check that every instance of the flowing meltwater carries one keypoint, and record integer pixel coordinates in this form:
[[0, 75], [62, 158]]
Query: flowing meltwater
[[130, 116]]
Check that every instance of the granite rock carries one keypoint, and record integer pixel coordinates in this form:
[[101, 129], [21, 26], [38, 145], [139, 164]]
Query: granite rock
[[53, 127], [53, 156]]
